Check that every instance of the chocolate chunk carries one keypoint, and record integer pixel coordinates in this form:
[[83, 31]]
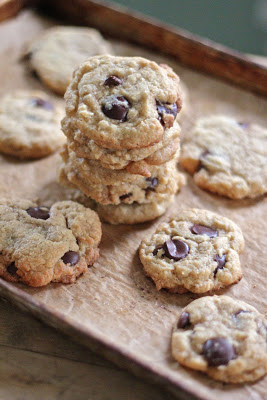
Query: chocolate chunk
[[116, 108], [38, 212], [156, 249], [241, 311], [220, 262], [235, 315], [12, 269], [166, 108], [184, 320], [153, 182], [201, 163], [125, 196], [203, 230], [35, 74], [243, 125], [27, 56], [71, 257], [175, 249], [218, 351], [37, 102], [113, 80]]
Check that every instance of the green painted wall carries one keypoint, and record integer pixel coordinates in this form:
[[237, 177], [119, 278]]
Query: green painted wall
[[236, 23]]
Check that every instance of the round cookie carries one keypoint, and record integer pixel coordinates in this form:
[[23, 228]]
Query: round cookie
[[123, 102], [223, 337], [133, 213], [227, 157], [165, 181], [92, 171], [29, 125], [38, 245], [123, 213], [118, 159], [60, 50], [197, 251]]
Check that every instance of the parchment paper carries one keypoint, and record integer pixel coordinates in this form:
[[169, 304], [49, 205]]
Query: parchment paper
[[114, 298]]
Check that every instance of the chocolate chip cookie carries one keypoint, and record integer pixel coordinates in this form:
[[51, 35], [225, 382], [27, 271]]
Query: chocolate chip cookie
[[40, 245], [164, 181], [223, 337], [227, 157], [197, 251], [133, 159], [133, 213], [123, 102], [60, 50], [29, 125]]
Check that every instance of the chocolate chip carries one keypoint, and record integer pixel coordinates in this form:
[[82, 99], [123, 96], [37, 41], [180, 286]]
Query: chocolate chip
[[218, 351], [240, 311], [201, 163], [37, 102], [220, 262], [38, 212], [156, 249], [153, 182], [116, 108], [125, 196], [175, 249], [113, 80], [35, 74], [166, 108], [203, 230], [235, 315], [27, 56], [71, 257], [243, 125], [184, 320], [12, 269]]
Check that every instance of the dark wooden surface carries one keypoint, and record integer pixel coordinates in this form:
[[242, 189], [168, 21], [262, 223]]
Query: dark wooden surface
[[37, 362], [28, 304]]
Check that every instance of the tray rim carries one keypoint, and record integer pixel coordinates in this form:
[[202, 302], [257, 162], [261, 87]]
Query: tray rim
[[214, 59], [73, 329]]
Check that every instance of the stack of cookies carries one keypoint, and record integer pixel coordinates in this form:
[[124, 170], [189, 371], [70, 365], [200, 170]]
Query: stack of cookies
[[123, 137]]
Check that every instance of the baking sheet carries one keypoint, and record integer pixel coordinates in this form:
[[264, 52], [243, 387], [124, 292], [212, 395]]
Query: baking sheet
[[114, 301]]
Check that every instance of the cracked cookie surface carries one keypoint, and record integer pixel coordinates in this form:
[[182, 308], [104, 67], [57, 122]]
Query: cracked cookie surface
[[123, 102], [60, 50], [197, 251], [227, 157], [29, 125], [40, 245], [222, 337]]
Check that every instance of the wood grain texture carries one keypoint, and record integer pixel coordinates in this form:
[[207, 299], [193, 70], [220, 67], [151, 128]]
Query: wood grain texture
[[114, 309], [38, 360], [193, 51]]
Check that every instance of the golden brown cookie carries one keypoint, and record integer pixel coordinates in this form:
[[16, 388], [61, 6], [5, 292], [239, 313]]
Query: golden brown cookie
[[162, 183], [197, 251], [223, 337], [60, 50], [29, 125], [132, 159], [40, 245], [227, 157], [123, 102]]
